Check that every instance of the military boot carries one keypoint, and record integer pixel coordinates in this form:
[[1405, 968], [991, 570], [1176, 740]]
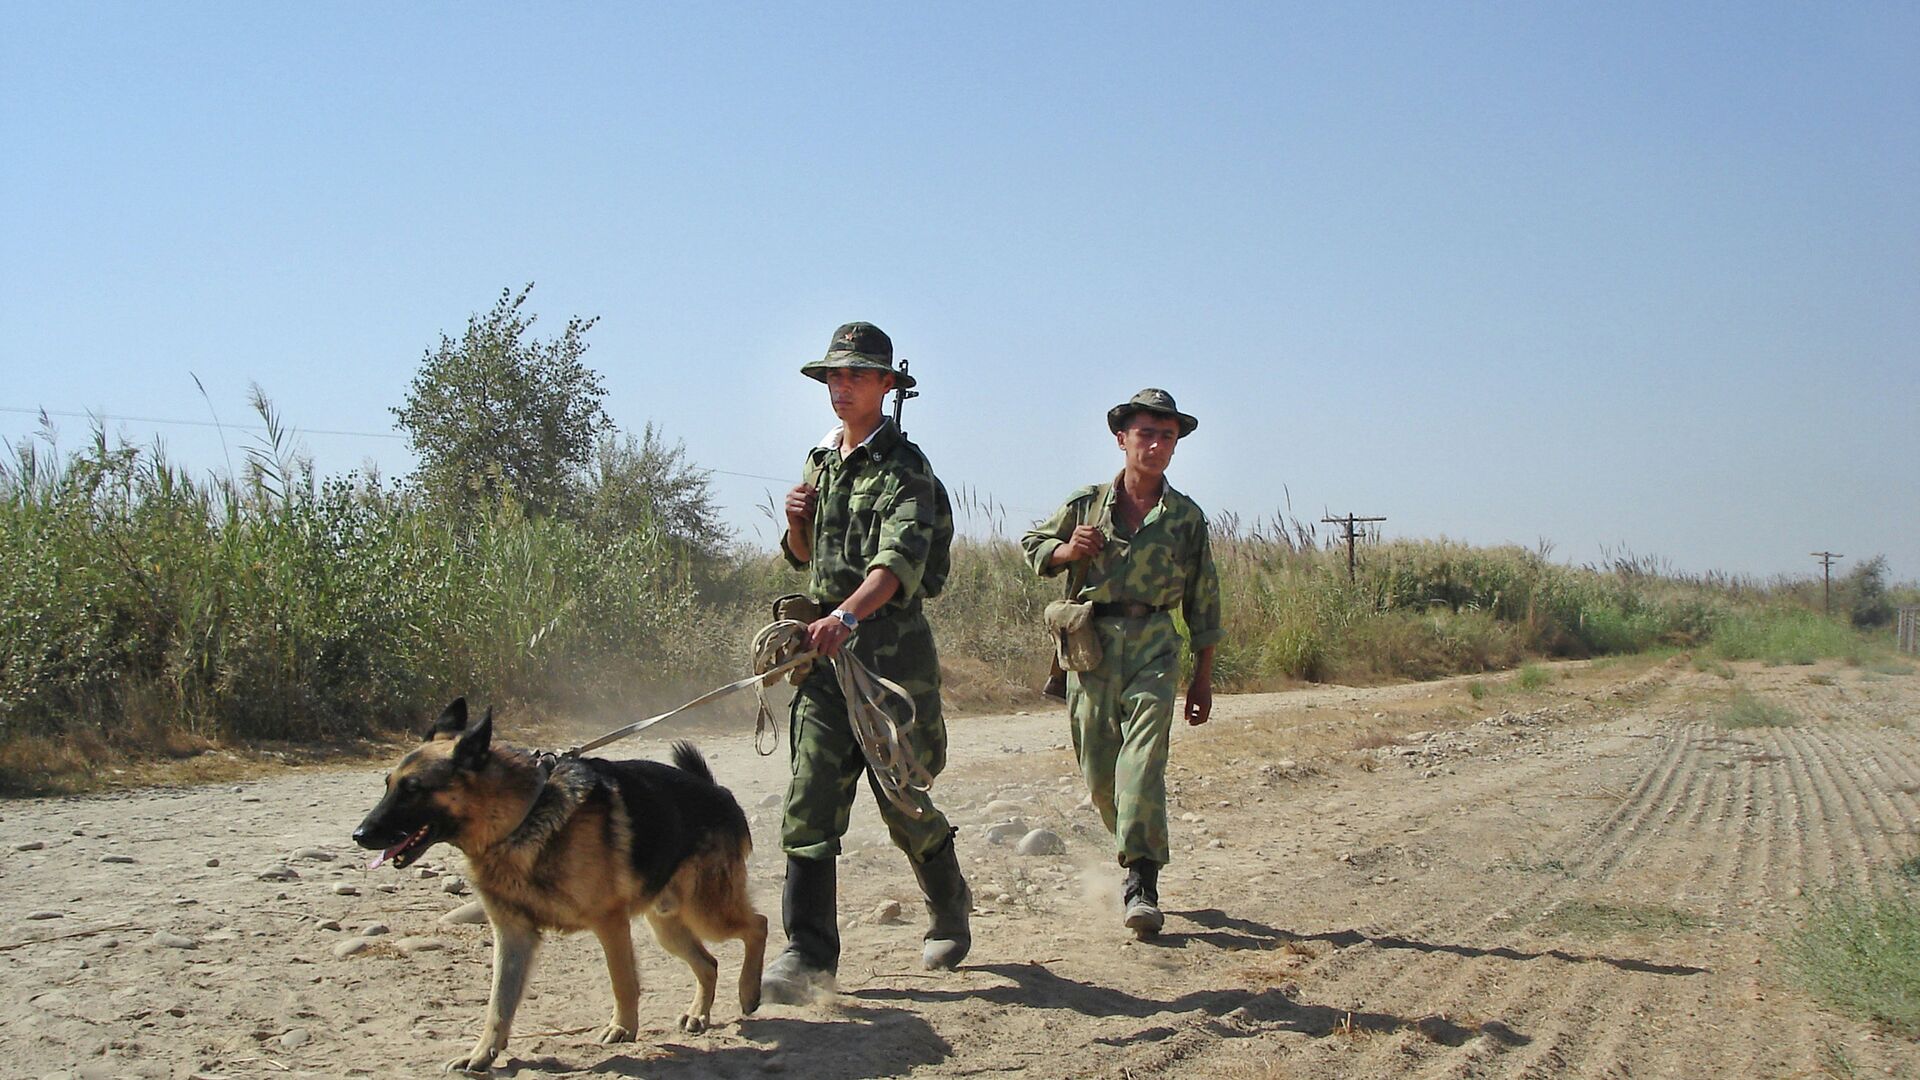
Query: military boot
[[1142, 896], [810, 916], [948, 902]]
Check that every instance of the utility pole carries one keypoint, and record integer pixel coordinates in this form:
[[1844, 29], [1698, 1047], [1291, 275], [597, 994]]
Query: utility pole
[[1826, 565], [1347, 523]]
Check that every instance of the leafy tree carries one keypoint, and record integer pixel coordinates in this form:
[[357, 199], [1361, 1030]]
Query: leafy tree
[[499, 412], [1866, 591], [647, 485]]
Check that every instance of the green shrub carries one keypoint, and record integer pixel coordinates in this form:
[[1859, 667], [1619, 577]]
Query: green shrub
[[1747, 710], [1859, 951]]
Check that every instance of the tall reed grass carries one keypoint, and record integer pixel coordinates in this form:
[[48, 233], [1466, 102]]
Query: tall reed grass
[[141, 607]]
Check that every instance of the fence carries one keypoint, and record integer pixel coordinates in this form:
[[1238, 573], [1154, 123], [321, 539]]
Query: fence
[[1910, 630]]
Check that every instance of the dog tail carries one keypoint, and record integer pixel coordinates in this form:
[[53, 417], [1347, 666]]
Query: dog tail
[[687, 759]]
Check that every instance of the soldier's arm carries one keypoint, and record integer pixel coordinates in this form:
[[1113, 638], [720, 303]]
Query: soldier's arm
[[907, 524], [797, 542], [827, 633], [1042, 542], [1200, 691], [1200, 603]]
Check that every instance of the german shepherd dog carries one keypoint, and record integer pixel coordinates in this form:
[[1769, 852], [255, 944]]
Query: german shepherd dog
[[583, 846]]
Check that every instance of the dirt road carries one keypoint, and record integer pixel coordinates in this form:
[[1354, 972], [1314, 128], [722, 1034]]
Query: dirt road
[[1589, 879]]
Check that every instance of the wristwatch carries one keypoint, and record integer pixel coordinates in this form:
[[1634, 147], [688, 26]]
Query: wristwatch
[[847, 618]]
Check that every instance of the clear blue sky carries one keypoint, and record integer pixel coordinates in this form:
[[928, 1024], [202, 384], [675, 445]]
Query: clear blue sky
[[1644, 277]]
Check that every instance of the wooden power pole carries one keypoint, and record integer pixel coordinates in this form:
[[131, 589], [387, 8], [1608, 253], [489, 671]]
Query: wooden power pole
[[1826, 565], [1347, 523]]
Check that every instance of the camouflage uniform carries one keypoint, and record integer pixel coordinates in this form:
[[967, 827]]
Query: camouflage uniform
[[1122, 711], [881, 506]]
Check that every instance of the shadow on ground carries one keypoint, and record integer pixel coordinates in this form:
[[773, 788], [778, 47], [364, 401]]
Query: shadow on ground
[[1225, 931], [849, 1042], [1232, 1013]]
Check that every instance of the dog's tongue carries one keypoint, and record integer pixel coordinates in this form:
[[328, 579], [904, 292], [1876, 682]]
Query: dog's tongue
[[380, 859]]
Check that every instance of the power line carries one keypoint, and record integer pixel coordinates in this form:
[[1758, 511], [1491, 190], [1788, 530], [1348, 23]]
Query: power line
[[192, 423], [1349, 521], [294, 430], [1826, 565]]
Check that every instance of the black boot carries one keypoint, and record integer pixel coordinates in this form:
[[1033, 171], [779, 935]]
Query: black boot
[[948, 903], [1142, 896], [808, 912]]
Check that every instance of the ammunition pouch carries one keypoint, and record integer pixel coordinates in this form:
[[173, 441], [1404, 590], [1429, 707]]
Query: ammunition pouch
[[803, 609], [796, 606], [1075, 642]]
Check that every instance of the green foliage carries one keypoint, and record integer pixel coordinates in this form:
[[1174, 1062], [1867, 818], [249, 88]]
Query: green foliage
[[500, 414], [1782, 636], [1865, 589], [1602, 919], [1533, 677], [1859, 951], [1748, 710], [645, 486], [283, 607]]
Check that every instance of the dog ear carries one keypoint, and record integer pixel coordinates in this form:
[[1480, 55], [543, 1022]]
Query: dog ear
[[453, 721], [476, 746]]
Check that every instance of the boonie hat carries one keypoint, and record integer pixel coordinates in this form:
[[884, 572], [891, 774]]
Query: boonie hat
[[858, 345], [1152, 400]]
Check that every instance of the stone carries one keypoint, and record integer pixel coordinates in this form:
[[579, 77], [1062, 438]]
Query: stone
[[116, 858], [213, 862], [314, 854], [887, 912], [35, 915], [279, 873], [168, 940], [327, 924], [771, 801], [1005, 831], [1042, 842], [294, 1039], [411, 945], [1003, 808], [454, 887], [341, 888], [425, 873], [30, 845], [351, 946], [471, 913], [374, 930]]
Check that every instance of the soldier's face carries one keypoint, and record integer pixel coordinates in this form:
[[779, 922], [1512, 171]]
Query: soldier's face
[[858, 393], [1148, 442]]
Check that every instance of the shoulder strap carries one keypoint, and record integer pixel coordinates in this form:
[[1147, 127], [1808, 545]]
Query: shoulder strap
[[1077, 572]]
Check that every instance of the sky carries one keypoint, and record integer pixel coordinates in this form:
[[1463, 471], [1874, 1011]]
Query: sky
[[1621, 278]]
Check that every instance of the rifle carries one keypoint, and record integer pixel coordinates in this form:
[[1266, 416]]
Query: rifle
[[900, 396]]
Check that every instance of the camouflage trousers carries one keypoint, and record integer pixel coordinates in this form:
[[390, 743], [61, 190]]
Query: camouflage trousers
[[1122, 714], [827, 759]]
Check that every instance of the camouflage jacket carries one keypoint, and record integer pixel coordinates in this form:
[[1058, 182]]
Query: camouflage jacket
[[880, 506], [1167, 562]]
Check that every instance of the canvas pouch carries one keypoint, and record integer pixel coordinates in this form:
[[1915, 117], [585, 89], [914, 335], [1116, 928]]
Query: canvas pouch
[[802, 609], [1075, 642]]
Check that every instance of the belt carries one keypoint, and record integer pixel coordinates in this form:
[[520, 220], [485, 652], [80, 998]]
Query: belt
[[1130, 609]]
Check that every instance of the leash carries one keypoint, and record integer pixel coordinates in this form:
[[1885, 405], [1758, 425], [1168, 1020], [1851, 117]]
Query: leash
[[779, 648]]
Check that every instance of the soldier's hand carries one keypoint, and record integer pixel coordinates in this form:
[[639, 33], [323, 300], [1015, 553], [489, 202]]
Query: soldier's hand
[[800, 506], [827, 634], [1085, 542], [1199, 703]]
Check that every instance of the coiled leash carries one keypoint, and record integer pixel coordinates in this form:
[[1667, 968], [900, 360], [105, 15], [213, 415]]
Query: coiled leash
[[779, 649]]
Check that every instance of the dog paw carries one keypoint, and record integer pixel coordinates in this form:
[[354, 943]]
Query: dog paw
[[694, 1025], [471, 1065], [616, 1033]]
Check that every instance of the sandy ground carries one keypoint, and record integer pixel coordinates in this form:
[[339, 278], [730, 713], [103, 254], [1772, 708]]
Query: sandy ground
[[1587, 880]]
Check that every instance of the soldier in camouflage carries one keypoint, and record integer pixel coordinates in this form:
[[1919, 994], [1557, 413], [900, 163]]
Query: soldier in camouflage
[[873, 525], [1142, 552]]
